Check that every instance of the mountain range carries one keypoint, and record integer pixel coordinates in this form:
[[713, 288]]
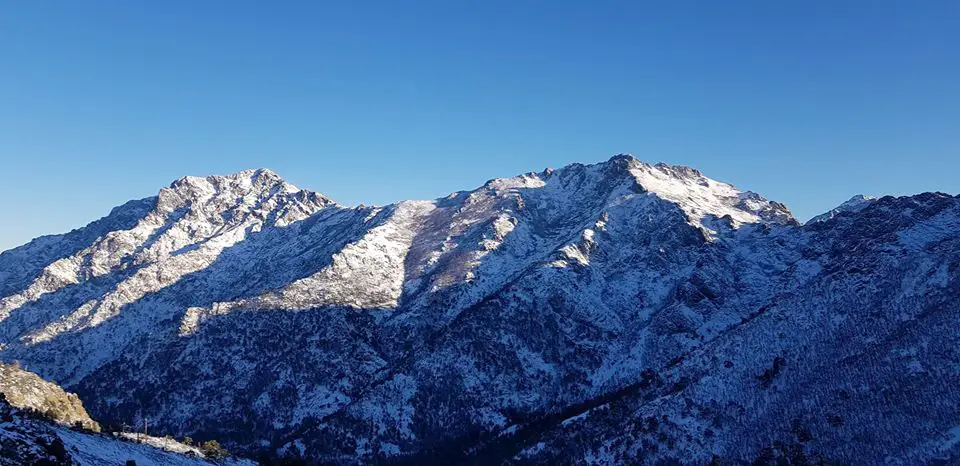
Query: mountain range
[[612, 313]]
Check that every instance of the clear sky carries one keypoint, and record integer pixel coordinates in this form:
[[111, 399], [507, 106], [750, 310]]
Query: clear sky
[[805, 102]]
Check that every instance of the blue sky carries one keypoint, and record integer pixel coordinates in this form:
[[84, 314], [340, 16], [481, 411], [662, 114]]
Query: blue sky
[[369, 102]]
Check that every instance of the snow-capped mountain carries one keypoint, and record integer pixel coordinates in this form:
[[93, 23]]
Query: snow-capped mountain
[[594, 313]]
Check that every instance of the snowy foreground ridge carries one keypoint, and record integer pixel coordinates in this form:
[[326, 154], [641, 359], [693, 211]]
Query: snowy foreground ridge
[[41, 424], [612, 313]]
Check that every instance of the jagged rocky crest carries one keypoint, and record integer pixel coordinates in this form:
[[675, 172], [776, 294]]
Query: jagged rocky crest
[[614, 312]]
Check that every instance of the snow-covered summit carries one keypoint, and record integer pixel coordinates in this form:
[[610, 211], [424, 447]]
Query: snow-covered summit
[[854, 204], [262, 179], [699, 197], [247, 186]]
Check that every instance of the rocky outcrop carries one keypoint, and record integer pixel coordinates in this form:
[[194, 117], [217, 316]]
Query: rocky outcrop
[[26, 390]]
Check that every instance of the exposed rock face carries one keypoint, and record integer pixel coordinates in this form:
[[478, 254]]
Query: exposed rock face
[[595, 312], [26, 390]]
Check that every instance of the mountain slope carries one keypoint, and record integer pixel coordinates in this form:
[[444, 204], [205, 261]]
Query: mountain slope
[[27, 441], [244, 309], [31, 408], [855, 365]]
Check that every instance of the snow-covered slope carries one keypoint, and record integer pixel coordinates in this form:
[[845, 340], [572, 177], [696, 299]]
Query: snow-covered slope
[[102, 450], [31, 438], [244, 309]]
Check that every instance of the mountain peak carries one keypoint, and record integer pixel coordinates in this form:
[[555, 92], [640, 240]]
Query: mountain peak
[[253, 183], [854, 204], [250, 178], [257, 175], [624, 157], [701, 197], [858, 199], [679, 171]]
